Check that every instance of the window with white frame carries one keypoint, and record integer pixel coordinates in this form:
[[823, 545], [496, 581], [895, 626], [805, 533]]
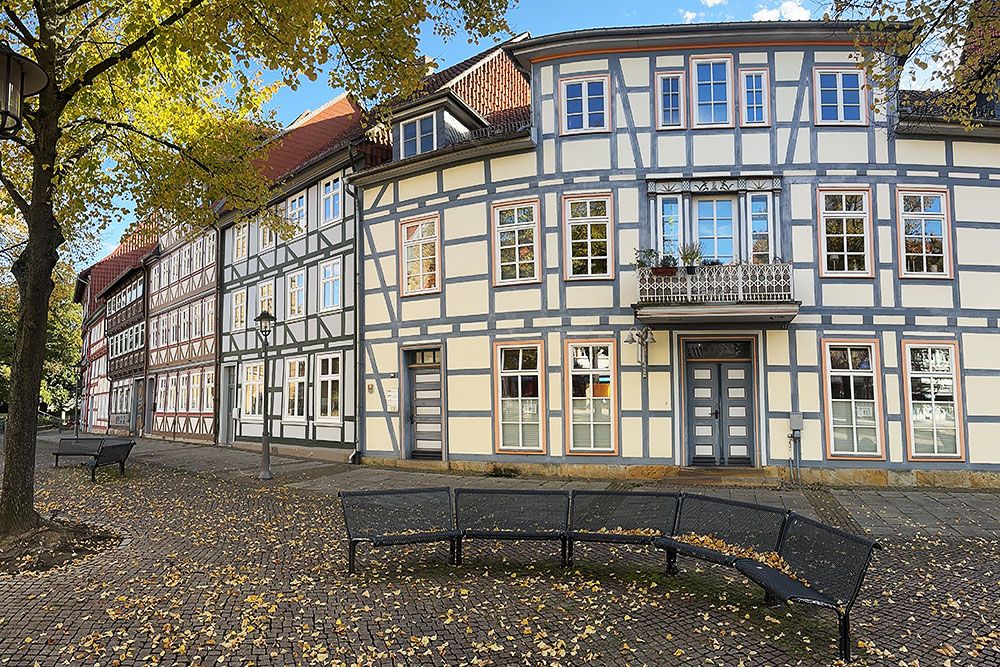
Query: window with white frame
[[585, 105], [210, 249], [195, 392], [712, 91], [331, 284], [185, 317], [295, 295], [669, 227], [760, 227], [588, 227], [715, 227], [931, 399], [519, 379], [253, 389], [592, 390], [241, 243], [165, 330], [267, 236], [197, 255], [209, 316], [208, 400], [925, 233], [755, 105], [172, 394], [854, 423], [844, 229], [331, 196], [161, 394], [671, 100], [328, 406], [239, 310], [295, 213], [418, 135], [420, 256], [182, 393], [515, 229], [265, 297], [839, 96], [295, 389], [197, 321]]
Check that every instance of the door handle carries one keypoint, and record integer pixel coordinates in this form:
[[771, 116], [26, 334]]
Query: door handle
[[716, 414]]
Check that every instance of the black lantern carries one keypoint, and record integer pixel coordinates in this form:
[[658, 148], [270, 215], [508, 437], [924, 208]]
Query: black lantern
[[19, 78], [265, 322]]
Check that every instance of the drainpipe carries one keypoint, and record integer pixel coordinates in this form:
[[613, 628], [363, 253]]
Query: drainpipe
[[359, 309], [217, 385]]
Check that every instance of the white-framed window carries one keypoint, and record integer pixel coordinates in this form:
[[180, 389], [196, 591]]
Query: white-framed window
[[711, 90], [266, 236], [754, 94], [210, 316], [519, 388], [265, 297], [295, 213], [210, 248], [182, 393], [186, 261], [760, 228], [154, 333], [932, 399], [295, 295], [154, 278], [853, 395], [668, 228], [197, 254], [925, 234], [588, 233], [515, 234], [840, 96], [253, 389], [592, 396], [295, 389], [420, 256], [845, 234], [239, 310], [670, 100], [208, 400], [328, 382], [332, 200], [418, 135], [241, 242], [185, 324], [585, 105], [195, 391], [197, 321], [165, 330], [161, 394], [172, 394], [331, 284], [716, 225]]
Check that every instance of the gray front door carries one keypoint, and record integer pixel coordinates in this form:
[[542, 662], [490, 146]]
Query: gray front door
[[424, 407], [719, 397]]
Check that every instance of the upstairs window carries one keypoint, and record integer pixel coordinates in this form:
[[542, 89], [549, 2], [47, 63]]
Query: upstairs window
[[588, 228], [331, 200], [845, 233], [265, 297], [755, 107], [295, 213], [712, 91], [267, 235], [585, 105], [418, 136], [924, 234], [669, 229], [240, 246], [759, 205], [239, 310], [671, 100], [295, 296], [331, 284], [839, 96], [715, 229], [420, 256], [515, 237]]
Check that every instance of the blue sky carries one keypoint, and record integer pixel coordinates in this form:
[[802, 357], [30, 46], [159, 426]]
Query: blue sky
[[540, 17]]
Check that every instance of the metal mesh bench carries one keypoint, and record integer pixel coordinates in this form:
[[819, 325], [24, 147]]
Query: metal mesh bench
[[112, 452], [85, 447], [621, 517], [512, 515], [829, 566], [406, 516], [740, 524]]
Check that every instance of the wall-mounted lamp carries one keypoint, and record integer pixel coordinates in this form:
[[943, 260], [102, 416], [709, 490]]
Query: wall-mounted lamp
[[643, 337]]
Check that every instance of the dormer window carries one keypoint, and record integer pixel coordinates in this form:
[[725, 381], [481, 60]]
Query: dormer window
[[585, 105], [418, 136]]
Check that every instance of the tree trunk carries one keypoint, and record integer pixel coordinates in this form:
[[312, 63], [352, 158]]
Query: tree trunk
[[33, 272]]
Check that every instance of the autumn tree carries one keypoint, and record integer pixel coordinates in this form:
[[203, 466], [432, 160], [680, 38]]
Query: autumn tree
[[160, 102], [951, 49]]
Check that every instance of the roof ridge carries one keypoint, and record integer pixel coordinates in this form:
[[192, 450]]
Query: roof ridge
[[492, 52]]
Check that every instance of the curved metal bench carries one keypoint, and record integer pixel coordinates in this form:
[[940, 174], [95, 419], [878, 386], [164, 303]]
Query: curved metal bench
[[621, 517], [497, 514]]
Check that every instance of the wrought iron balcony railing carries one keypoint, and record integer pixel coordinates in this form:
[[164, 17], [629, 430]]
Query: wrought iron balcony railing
[[728, 283]]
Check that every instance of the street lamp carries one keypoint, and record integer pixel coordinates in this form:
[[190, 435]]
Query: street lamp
[[265, 324], [644, 338], [19, 78]]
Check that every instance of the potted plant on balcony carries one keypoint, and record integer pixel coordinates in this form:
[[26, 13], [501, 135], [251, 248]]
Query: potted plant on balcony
[[711, 262], [691, 257], [646, 258], [667, 266]]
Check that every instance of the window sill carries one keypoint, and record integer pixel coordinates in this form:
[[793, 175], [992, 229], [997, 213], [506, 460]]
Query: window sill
[[570, 279], [509, 451], [323, 421], [713, 126], [926, 276], [331, 310], [518, 283], [590, 130], [670, 128], [428, 292], [841, 123]]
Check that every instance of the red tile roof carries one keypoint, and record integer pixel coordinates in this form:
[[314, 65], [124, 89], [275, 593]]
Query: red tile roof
[[99, 275]]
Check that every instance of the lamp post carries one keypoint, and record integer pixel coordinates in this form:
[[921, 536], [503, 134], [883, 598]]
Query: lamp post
[[80, 365], [19, 78], [643, 337], [265, 324]]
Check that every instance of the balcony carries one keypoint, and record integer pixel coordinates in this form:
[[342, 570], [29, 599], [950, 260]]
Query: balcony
[[760, 293]]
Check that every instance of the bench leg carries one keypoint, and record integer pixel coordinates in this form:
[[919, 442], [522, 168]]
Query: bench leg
[[351, 551], [451, 551], [845, 637], [458, 550], [563, 550], [57, 461], [93, 474], [121, 468], [569, 551], [671, 563]]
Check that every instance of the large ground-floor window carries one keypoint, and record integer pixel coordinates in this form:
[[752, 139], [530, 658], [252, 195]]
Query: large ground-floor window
[[591, 377], [853, 393], [519, 376]]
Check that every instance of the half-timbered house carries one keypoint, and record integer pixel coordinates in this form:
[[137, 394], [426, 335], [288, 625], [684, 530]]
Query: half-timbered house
[[125, 329]]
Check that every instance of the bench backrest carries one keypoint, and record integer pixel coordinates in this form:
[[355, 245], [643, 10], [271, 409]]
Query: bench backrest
[[113, 452], [528, 513], [738, 523], [374, 514], [75, 445], [624, 511], [829, 560]]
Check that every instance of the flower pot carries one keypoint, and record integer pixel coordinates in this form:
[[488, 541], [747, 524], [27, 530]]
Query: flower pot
[[691, 270], [664, 271]]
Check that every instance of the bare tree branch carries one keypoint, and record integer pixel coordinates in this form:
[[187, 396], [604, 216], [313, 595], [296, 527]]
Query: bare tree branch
[[22, 29], [19, 200]]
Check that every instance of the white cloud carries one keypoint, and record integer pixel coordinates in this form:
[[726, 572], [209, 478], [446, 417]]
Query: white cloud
[[789, 10], [688, 17], [713, 3]]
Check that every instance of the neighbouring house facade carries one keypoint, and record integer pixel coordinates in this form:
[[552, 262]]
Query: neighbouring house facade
[[180, 368], [305, 281], [94, 386], [125, 329], [843, 320]]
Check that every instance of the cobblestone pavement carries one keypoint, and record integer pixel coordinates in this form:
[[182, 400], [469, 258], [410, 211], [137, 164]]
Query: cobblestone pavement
[[218, 568]]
